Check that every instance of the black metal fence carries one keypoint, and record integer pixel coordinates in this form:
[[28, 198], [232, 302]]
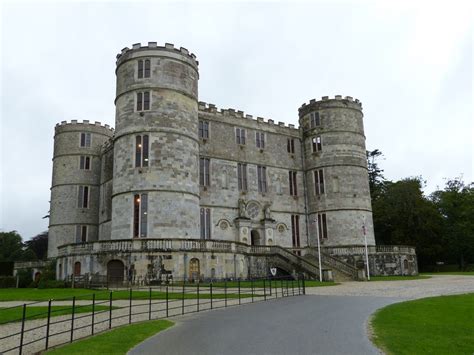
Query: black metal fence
[[29, 329]]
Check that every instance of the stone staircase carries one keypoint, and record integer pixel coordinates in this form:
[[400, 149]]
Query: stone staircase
[[308, 264]]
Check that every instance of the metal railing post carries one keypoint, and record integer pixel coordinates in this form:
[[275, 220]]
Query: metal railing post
[[198, 297], [93, 312], [287, 290], [72, 318], [22, 327], [167, 302], [264, 291], [130, 308], [271, 288], [225, 293], [281, 284], [240, 302], [149, 305], [182, 295], [293, 287], [47, 324], [210, 290], [110, 310]]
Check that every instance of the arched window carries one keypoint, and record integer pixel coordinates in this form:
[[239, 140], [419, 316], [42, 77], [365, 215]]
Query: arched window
[[77, 268]]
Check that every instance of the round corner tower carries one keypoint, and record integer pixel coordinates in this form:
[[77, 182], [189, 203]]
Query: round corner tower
[[339, 204], [156, 148], [74, 206]]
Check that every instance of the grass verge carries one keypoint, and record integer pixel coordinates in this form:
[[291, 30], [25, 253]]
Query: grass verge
[[274, 283], [436, 325], [398, 278], [116, 341], [463, 273], [32, 312], [33, 294]]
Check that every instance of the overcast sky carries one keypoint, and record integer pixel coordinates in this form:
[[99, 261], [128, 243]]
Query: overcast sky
[[410, 63]]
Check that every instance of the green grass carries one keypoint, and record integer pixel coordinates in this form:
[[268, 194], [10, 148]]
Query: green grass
[[398, 278], [32, 294], [33, 312], [464, 273], [259, 284], [117, 341], [437, 325]]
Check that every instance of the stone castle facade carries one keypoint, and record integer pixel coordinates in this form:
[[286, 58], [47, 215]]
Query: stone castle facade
[[183, 189]]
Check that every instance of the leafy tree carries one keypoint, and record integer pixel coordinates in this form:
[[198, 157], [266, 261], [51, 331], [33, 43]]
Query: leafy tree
[[456, 206], [39, 245], [403, 216], [376, 179], [12, 248]]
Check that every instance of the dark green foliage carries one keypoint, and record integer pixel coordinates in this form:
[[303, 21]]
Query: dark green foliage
[[48, 277], [6, 268], [25, 278], [13, 249], [7, 281], [38, 245], [376, 178]]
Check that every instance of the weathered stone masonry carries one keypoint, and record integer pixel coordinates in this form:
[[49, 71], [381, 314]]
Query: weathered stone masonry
[[144, 181]]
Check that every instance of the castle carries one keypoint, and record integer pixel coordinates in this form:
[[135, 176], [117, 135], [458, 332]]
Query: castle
[[181, 189]]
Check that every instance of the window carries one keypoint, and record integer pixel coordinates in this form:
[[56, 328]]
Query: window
[[322, 226], [292, 182], [81, 234], [205, 223], [143, 68], [319, 182], [295, 230], [85, 140], [290, 146], [83, 197], [141, 151], [85, 162], [314, 120], [317, 144], [143, 101], [240, 136], [260, 139], [140, 215], [262, 179], [204, 172], [204, 129], [242, 176]]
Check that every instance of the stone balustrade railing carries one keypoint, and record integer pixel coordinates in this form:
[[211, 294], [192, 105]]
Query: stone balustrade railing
[[360, 250]]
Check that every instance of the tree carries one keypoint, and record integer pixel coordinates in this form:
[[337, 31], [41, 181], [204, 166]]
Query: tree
[[376, 179], [403, 216], [456, 206], [13, 249], [39, 245]]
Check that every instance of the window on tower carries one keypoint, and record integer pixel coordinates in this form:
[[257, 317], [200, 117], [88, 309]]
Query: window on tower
[[260, 139], [85, 162], [319, 182], [83, 197], [322, 226], [204, 179], [140, 215], [317, 144], [290, 145], [143, 101], [242, 176], [240, 136], [143, 68], [262, 179], [295, 231], [205, 223], [292, 183], [314, 120], [85, 140], [81, 234], [141, 151]]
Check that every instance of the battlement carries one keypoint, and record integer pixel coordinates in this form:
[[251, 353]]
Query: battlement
[[86, 123], [338, 99], [232, 113], [153, 46]]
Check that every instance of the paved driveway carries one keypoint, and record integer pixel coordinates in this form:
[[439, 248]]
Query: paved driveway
[[328, 320]]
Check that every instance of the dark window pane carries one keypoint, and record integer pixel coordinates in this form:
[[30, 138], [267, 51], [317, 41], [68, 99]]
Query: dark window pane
[[86, 197], [147, 68], [138, 151], [84, 234], [136, 216], [146, 100], [80, 197], [139, 101], [87, 164], [144, 215], [83, 139], [145, 150], [140, 69]]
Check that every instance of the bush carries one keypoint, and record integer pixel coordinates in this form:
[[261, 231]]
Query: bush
[[44, 283], [25, 277], [7, 281]]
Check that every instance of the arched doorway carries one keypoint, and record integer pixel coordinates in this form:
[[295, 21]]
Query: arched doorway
[[194, 269], [37, 276], [255, 237], [115, 269], [77, 268]]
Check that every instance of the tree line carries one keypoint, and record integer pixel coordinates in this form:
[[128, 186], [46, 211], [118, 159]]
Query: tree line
[[440, 226]]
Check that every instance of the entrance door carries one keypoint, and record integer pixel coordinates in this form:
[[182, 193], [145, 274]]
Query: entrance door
[[77, 268], [194, 271], [115, 270], [255, 237]]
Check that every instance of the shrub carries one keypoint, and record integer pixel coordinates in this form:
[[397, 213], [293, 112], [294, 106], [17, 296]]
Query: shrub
[[25, 277], [7, 281], [44, 283]]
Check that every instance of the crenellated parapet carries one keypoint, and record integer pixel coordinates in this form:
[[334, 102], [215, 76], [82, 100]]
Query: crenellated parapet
[[326, 102], [128, 53], [237, 114], [86, 125]]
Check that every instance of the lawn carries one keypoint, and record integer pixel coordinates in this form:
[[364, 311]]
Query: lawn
[[398, 278], [436, 325], [274, 283], [33, 312], [463, 273], [32, 294], [117, 341]]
